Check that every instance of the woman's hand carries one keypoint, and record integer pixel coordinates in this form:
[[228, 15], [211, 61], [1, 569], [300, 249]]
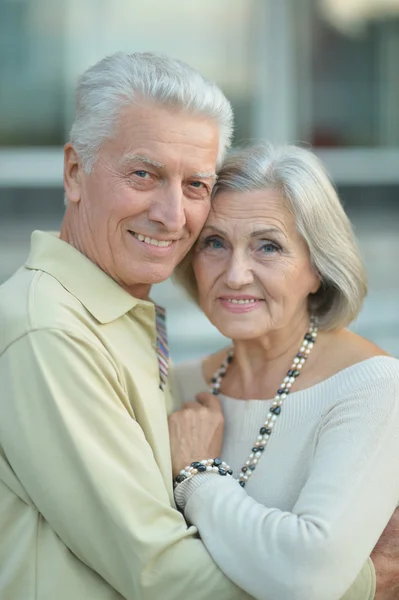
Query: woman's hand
[[196, 431]]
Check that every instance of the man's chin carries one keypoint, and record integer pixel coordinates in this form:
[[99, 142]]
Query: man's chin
[[154, 276]]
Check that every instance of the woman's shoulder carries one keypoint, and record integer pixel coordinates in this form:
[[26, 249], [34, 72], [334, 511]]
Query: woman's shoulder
[[371, 372], [344, 349], [193, 376], [358, 347], [348, 365], [188, 379], [360, 369], [205, 365]]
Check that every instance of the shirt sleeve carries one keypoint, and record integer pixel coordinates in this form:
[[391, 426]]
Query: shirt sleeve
[[316, 550], [87, 467], [364, 586]]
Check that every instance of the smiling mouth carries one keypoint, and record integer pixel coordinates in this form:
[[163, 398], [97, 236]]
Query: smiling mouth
[[151, 241], [236, 301]]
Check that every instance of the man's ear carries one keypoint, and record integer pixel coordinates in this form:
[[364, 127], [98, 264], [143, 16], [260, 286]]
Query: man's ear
[[72, 174]]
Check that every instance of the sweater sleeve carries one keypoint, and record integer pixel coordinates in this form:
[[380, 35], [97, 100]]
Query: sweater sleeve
[[316, 550]]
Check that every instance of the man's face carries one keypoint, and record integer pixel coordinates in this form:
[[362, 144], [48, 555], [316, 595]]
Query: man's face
[[140, 209]]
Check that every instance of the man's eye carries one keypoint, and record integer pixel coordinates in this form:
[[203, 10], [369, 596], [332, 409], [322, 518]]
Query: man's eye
[[141, 174], [197, 184]]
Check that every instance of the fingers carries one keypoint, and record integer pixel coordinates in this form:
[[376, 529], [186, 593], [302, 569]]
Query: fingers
[[191, 406], [203, 400], [210, 401]]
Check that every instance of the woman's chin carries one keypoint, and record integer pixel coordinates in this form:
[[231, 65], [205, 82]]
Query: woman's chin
[[237, 331]]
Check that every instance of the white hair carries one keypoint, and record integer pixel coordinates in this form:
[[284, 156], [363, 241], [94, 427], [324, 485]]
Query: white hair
[[122, 79], [320, 219]]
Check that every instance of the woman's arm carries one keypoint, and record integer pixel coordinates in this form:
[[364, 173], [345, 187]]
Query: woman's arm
[[316, 550]]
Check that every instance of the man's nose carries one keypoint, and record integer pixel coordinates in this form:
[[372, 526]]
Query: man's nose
[[239, 272], [168, 208]]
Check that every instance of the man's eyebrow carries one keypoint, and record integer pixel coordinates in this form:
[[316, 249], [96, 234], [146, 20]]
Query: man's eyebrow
[[205, 175], [130, 158]]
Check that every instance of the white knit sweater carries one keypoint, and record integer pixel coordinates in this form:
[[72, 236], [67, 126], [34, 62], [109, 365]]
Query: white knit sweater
[[322, 493]]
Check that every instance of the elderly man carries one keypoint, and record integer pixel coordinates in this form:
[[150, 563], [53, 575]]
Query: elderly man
[[86, 498]]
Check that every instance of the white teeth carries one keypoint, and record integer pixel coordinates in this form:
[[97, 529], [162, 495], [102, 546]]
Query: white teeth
[[235, 301], [152, 241]]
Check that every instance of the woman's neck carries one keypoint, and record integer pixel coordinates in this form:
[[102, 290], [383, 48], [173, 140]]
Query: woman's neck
[[259, 365]]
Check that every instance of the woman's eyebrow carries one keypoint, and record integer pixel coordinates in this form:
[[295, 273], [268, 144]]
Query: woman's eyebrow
[[253, 234], [214, 229], [266, 231]]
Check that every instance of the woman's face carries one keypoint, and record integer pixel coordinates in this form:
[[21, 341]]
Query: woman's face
[[252, 266]]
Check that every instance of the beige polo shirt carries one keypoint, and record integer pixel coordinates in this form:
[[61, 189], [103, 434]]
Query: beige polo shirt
[[86, 499]]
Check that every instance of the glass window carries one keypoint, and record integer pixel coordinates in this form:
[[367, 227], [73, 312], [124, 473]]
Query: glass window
[[31, 59], [347, 78], [44, 48]]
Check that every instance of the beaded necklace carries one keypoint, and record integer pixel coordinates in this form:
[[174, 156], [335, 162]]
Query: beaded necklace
[[266, 430]]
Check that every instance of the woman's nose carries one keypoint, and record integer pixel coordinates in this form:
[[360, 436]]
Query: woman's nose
[[239, 272]]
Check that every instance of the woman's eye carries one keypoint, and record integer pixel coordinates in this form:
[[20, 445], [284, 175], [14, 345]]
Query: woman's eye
[[213, 243], [269, 248]]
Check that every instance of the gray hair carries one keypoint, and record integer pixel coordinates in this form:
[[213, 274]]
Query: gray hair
[[121, 79], [320, 219]]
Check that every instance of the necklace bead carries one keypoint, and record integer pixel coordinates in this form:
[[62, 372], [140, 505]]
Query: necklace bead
[[275, 410]]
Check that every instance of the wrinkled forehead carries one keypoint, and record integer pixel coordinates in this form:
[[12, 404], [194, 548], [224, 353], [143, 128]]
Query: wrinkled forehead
[[141, 128], [249, 208]]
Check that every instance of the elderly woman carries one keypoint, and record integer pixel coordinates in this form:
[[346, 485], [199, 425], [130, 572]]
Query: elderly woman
[[311, 410]]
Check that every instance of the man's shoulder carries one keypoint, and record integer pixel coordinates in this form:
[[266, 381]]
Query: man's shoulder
[[32, 300]]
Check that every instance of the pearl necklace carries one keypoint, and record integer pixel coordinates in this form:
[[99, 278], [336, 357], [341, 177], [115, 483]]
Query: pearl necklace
[[266, 430]]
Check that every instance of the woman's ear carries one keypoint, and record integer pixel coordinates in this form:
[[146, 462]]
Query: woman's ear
[[317, 284], [72, 174], [317, 280]]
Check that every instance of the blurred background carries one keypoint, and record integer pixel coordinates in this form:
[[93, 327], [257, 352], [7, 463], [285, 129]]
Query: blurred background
[[322, 72]]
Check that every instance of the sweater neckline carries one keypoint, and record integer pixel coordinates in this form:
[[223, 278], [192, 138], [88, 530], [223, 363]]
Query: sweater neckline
[[361, 366]]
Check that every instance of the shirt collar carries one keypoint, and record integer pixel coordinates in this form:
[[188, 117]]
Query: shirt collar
[[97, 291]]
